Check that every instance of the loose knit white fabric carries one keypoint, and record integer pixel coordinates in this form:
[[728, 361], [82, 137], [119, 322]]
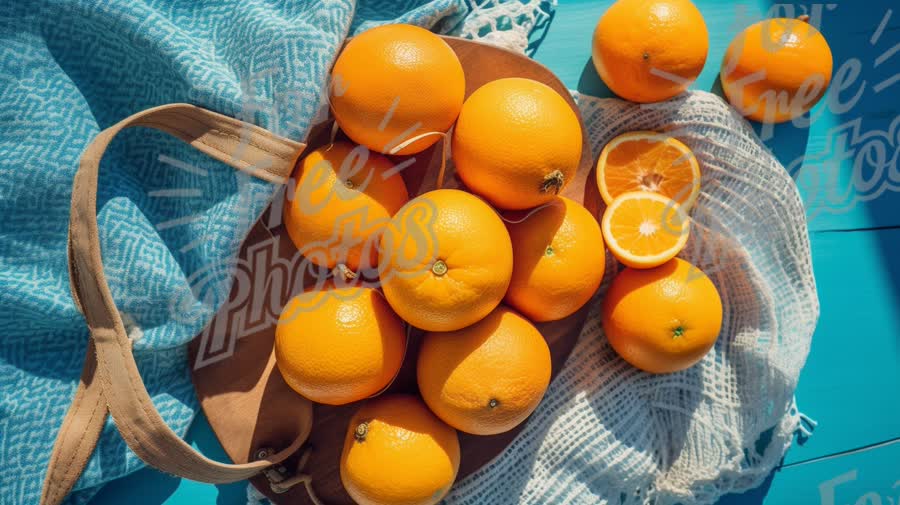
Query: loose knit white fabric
[[507, 23]]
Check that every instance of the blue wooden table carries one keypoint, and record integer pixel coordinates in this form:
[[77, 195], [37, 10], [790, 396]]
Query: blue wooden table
[[845, 163]]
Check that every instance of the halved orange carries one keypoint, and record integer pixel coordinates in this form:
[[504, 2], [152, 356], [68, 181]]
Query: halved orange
[[644, 229], [648, 161]]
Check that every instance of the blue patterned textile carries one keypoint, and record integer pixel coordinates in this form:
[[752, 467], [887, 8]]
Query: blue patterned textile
[[70, 68]]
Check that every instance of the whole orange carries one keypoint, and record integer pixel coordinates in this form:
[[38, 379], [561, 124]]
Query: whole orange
[[650, 50], [446, 260], [558, 260], [395, 82], [343, 198], [776, 69], [662, 319], [397, 452], [517, 143], [339, 345], [487, 378]]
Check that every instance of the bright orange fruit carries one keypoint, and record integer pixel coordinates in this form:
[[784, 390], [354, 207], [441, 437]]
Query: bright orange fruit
[[395, 82], [397, 452], [644, 229], [650, 50], [558, 260], [662, 319], [517, 143], [343, 199], [486, 378], [776, 69], [339, 345], [446, 260], [648, 161]]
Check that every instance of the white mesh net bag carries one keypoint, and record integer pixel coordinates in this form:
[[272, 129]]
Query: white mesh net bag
[[611, 434], [506, 23]]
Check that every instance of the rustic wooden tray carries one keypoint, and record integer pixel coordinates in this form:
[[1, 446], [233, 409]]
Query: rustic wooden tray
[[244, 397]]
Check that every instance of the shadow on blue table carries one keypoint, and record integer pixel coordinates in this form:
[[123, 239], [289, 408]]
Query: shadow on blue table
[[752, 497], [865, 133], [539, 33], [149, 487], [590, 83], [786, 141], [873, 166]]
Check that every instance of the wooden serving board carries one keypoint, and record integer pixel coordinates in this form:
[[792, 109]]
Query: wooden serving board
[[242, 394]]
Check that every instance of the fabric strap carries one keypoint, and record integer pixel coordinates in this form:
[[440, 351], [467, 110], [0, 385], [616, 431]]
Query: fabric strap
[[110, 382]]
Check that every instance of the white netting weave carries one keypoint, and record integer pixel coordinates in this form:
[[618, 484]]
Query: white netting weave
[[609, 433], [506, 23]]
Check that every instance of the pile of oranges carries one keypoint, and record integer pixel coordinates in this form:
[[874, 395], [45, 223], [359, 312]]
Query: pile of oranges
[[463, 266], [475, 268]]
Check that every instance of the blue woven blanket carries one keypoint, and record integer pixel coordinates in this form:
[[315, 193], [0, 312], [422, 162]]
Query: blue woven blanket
[[68, 69]]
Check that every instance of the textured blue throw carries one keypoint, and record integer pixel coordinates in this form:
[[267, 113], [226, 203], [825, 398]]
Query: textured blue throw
[[70, 68]]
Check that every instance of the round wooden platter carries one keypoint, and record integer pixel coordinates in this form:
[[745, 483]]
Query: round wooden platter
[[242, 394]]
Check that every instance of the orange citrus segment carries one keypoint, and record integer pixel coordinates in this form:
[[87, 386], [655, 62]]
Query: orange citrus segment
[[644, 229], [648, 161]]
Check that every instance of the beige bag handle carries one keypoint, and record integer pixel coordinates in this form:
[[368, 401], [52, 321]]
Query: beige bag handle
[[110, 382]]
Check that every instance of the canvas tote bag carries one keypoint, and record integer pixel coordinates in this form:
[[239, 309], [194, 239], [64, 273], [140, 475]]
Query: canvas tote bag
[[110, 383]]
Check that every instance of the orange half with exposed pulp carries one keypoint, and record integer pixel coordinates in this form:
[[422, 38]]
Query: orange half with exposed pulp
[[644, 229], [648, 161]]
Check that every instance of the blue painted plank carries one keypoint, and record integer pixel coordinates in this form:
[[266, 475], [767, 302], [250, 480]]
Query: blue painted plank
[[845, 157], [851, 380], [868, 477]]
